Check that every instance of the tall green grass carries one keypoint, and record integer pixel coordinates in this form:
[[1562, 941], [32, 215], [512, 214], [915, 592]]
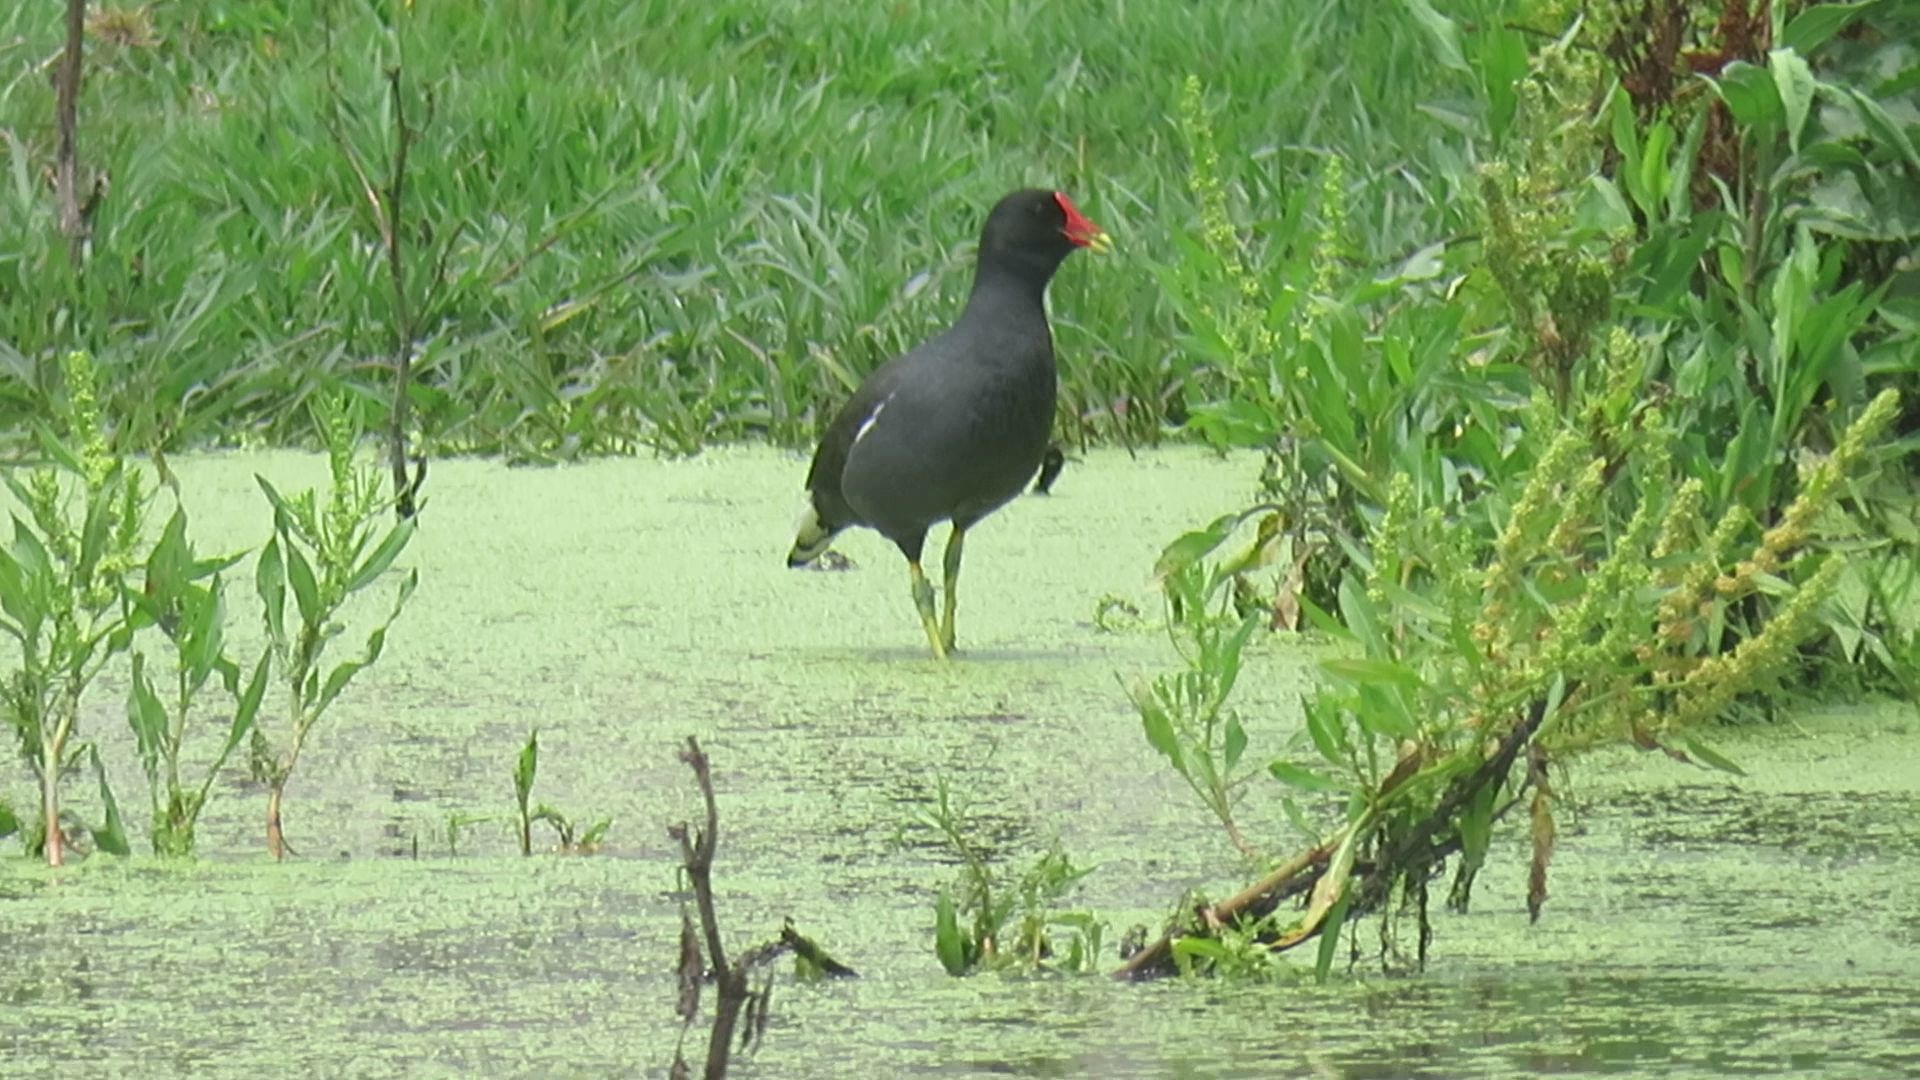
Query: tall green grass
[[662, 223]]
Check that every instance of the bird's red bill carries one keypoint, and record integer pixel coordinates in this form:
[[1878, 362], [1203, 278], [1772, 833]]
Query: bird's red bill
[[1081, 231]]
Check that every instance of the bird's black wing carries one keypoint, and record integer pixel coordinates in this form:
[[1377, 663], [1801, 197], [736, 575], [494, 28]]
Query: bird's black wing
[[830, 459]]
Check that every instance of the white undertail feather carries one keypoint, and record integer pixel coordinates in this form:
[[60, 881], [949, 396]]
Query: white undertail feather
[[810, 538]]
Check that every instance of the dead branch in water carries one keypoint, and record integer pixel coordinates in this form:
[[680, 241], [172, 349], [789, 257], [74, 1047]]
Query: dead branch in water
[[1399, 853], [738, 1000]]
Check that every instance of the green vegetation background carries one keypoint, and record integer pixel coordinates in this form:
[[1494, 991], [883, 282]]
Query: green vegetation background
[[659, 223]]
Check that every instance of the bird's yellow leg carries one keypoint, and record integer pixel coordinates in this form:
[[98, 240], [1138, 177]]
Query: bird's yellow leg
[[952, 566], [923, 600]]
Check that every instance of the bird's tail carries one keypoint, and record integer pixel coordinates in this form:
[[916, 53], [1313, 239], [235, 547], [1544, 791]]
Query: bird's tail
[[811, 537]]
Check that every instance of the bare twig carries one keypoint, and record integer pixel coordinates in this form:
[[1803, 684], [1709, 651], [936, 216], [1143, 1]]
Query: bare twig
[[406, 484], [696, 857], [76, 220], [696, 853], [386, 210]]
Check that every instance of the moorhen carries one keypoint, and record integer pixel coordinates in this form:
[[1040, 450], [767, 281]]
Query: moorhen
[[956, 427]]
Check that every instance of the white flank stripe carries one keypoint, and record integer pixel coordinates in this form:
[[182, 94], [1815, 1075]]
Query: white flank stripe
[[867, 424]]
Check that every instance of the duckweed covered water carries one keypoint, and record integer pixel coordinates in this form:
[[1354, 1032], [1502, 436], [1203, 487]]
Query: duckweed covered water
[[1699, 924]]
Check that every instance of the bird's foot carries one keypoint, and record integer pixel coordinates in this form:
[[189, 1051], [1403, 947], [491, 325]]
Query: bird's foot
[[941, 650]]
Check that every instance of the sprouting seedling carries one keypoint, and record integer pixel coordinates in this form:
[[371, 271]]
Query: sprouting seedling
[[572, 839], [524, 771]]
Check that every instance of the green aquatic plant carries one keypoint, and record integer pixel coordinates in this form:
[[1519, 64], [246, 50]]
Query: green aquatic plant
[[1185, 714], [997, 920], [1473, 662], [572, 839], [63, 595], [318, 557], [183, 596]]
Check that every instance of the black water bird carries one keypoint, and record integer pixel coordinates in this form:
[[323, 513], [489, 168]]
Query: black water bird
[[955, 428]]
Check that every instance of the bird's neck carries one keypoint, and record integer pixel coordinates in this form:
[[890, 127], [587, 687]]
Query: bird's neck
[[1007, 289]]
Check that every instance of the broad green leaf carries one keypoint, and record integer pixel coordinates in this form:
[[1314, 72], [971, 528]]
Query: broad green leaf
[[1556, 696], [1234, 743], [16, 599], [1383, 711], [1358, 614], [282, 511], [404, 593], [247, 710], [341, 675], [1817, 23], [1154, 719], [1602, 208], [1884, 127], [376, 564], [1626, 137], [595, 833], [1305, 779], [1193, 546], [1751, 96], [110, 837], [1194, 947], [9, 821], [29, 552], [1795, 81], [1331, 887], [202, 568], [1649, 188], [526, 769], [97, 530], [1445, 35], [1476, 828], [1680, 175], [1363, 671], [306, 591], [1502, 58], [57, 449], [1295, 818], [204, 639], [948, 944], [1330, 938], [1325, 727], [270, 579], [167, 562], [1228, 661], [148, 718], [1712, 757]]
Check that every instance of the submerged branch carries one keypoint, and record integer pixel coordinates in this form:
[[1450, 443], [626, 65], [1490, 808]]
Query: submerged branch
[[1433, 837]]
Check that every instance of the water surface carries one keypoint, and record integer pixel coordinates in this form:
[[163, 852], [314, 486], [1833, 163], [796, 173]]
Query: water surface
[[1699, 924]]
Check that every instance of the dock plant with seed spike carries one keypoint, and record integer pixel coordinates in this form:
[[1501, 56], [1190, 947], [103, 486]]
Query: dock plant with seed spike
[[1565, 640], [318, 557], [63, 583]]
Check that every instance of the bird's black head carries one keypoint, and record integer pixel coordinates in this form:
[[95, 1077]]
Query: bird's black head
[[1031, 231]]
